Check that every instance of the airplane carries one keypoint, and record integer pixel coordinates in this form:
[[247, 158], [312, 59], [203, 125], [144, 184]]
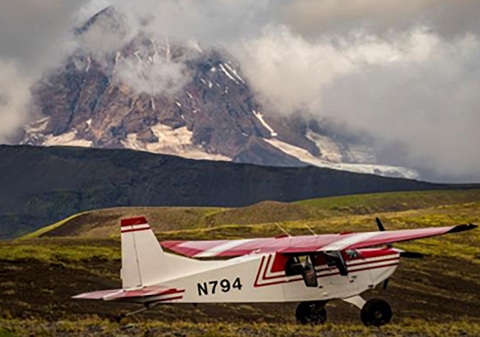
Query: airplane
[[312, 270]]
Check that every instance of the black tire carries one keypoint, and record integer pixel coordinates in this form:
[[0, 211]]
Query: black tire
[[376, 312], [311, 313]]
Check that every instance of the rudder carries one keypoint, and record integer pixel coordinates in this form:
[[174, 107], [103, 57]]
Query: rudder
[[143, 259]]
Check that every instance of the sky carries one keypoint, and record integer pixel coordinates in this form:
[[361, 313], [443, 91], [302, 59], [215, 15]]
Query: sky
[[404, 72]]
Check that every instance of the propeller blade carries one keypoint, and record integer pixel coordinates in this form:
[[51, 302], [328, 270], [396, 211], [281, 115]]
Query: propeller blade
[[381, 228], [385, 283], [380, 225], [412, 255]]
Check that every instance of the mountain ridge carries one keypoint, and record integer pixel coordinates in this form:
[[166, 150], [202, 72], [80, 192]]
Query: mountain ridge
[[42, 185]]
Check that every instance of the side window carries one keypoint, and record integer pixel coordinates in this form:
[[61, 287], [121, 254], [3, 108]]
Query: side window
[[352, 254], [302, 265], [293, 266]]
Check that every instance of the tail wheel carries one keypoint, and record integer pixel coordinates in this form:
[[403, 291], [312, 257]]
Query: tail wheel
[[311, 313], [376, 312], [121, 319]]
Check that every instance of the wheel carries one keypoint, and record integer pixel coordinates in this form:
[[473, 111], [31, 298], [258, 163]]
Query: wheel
[[311, 313], [376, 312]]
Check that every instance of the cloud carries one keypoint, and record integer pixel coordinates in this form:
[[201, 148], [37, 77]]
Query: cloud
[[14, 98], [151, 73], [165, 26], [30, 30], [209, 21], [448, 18], [414, 88], [291, 72], [33, 37], [430, 104]]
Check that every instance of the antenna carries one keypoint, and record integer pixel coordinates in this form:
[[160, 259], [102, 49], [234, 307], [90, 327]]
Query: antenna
[[282, 229], [311, 230]]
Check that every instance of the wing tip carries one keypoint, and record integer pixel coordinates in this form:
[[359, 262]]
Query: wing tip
[[463, 228]]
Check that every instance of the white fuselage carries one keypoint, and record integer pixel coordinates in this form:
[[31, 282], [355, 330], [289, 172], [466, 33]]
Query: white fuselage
[[262, 278]]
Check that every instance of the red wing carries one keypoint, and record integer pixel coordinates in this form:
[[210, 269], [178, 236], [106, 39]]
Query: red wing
[[303, 244], [231, 248], [370, 239]]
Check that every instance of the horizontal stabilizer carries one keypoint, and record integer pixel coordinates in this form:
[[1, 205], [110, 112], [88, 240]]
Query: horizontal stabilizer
[[121, 294]]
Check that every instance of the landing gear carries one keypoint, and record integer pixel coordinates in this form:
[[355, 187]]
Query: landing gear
[[123, 317], [376, 312], [311, 313]]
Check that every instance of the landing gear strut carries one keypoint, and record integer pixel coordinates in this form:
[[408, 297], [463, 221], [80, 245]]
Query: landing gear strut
[[376, 312], [311, 313], [123, 316]]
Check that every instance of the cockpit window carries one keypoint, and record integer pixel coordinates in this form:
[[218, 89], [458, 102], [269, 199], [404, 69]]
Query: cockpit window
[[352, 254], [302, 265]]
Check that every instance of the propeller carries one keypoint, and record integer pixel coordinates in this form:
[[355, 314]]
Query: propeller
[[380, 224], [381, 228]]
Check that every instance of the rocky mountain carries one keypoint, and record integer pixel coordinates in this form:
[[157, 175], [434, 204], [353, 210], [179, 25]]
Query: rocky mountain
[[213, 115], [42, 185]]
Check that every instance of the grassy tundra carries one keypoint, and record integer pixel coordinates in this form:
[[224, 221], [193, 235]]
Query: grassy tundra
[[436, 296]]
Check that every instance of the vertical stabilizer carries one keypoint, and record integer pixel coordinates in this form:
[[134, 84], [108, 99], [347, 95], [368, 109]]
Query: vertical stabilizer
[[143, 260]]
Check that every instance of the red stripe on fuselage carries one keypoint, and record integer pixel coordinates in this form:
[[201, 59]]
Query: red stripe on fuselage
[[258, 272], [266, 278]]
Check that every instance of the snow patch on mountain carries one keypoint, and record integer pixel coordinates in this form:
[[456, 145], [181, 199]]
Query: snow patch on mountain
[[66, 139], [351, 153], [330, 151], [177, 142], [37, 126], [234, 72], [307, 157], [361, 154], [226, 72], [265, 124]]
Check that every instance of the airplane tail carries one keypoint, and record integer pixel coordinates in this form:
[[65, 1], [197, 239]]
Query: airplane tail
[[144, 263], [143, 260]]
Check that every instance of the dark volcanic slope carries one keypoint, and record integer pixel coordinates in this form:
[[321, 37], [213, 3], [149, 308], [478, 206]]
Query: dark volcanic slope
[[43, 185]]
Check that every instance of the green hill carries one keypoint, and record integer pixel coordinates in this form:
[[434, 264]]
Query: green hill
[[317, 213]]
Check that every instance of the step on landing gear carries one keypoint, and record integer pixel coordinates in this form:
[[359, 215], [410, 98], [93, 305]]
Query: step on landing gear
[[311, 313], [376, 312]]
